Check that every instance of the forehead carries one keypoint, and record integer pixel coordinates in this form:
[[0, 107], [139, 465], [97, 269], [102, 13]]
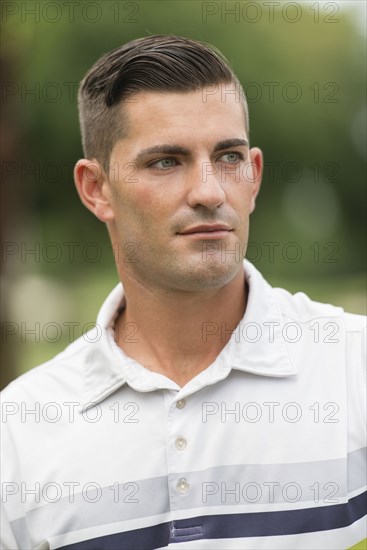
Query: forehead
[[214, 112]]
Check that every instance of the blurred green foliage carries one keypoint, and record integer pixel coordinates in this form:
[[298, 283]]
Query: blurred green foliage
[[306, 89]]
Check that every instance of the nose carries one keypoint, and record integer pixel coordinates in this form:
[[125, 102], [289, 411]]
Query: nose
[[205, 187]]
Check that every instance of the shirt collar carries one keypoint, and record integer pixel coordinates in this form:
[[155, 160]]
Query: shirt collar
[[260, 346], [256, 346]]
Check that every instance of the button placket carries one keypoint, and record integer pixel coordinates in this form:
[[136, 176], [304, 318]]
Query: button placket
[[181, 485], [180, 442]]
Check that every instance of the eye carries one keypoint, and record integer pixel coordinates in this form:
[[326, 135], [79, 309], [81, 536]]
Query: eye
[[232, 157], [163, 163]]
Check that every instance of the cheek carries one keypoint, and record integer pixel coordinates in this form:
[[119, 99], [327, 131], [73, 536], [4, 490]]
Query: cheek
[[141, 205], [240, 195]]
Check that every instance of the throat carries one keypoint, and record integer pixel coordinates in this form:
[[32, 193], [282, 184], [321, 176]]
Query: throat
[[178, 342]]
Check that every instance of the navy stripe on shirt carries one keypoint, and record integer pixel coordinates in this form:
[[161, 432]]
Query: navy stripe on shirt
[[227, 526]]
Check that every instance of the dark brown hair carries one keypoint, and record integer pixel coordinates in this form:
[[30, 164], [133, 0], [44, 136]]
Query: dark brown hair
[[153, 63]]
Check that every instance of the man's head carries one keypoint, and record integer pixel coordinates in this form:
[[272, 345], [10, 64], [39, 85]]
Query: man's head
[[174, 152], [155, 63]]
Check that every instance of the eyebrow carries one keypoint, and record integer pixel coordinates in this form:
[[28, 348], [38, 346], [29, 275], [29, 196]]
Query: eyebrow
[[178, 150], [228, 143]]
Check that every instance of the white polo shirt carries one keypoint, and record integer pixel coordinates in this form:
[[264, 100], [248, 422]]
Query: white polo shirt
[[266, 448]]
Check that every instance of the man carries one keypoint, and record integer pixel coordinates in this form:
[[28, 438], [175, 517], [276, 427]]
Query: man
[[206, 409]]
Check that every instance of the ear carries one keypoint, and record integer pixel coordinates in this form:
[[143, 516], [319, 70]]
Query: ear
[[93, 188], [256, 159]]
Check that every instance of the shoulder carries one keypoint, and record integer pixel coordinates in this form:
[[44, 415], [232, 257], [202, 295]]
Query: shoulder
[[344, 335], [52, 377], [300, 307], [346, 332]]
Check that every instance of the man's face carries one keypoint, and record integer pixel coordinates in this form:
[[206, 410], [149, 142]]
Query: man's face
[[185, 163]]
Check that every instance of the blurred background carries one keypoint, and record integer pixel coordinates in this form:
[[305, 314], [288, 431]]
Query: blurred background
[[302, 65]]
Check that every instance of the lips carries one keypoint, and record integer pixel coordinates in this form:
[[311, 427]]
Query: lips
[[206, 228]]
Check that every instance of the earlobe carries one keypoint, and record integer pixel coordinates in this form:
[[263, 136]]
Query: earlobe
[[92, 186]]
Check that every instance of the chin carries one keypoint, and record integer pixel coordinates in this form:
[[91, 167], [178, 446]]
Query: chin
[[212, 274]]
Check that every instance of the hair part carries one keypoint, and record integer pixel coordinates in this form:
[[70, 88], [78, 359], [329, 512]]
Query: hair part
[[159, 63]]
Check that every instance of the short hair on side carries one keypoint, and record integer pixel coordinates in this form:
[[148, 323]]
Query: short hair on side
[[158, 63]]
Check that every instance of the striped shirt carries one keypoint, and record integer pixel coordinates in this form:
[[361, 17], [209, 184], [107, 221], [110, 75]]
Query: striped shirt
[[265, 448]]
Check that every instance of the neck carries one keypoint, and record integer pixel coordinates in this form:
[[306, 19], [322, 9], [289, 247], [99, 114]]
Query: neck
[[179, 334]]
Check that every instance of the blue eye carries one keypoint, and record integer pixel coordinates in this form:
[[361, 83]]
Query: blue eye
[[164, 163], [233, 157]]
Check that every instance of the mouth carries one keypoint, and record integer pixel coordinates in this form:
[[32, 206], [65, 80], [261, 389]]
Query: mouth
[[207, 231]]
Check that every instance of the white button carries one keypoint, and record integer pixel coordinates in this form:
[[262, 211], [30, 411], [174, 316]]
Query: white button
[[182, 486], [180, 443], [180, 404]]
